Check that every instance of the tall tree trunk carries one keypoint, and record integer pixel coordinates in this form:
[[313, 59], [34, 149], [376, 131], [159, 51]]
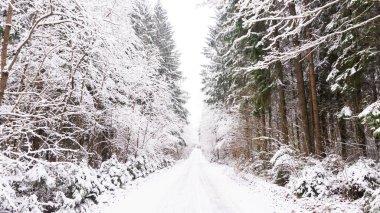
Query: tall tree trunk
[[307, 143], [374, 99], [319, 149], [324, 129], [247, 132], [333, 130], [343, 137], [360, 133], [342, 127], [270, 133], [281, 94], [373, 85], [4, 51], [263, 132], [295, 123]]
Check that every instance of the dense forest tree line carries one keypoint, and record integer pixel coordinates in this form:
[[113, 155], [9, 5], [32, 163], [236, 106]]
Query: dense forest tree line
[[87, 78], [297, 73], [83, 82]]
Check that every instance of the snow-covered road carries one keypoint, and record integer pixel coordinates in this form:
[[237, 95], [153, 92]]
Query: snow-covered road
[[192, 186]]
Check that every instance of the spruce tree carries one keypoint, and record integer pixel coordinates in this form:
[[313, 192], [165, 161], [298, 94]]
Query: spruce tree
[[163, 38]]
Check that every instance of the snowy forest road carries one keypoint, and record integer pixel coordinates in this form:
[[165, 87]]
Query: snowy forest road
[[193, 186]]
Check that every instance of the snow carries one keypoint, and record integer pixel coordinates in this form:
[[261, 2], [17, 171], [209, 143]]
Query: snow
[[371, 116], [196, 186], [373, 109], [314, 181], [345, 112], [361, 177]]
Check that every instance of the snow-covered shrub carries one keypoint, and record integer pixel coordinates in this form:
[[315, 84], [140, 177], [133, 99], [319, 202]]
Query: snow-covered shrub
[[146, 163], [39, 176], [371, 201], [152, 165], [11, 174], [31, 205], [263, 161], [257, 164], [153, 162], [314, 181], [134, 167], [360, 177], [333, 163], [66, 187], [113, 174], [7, 196], [284, 164], [80, 183], [371, 116], [37, 185], [60, 185]]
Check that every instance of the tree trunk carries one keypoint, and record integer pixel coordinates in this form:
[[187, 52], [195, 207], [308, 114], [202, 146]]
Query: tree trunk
[[4, 51], [374, 99], [293, 134], [307, 143], [374, 85], [324, 129], [319, 149], [295, 123], [263, 132], [343, 137], [270, 127], [360, 133], [247, 132], [281, 94]]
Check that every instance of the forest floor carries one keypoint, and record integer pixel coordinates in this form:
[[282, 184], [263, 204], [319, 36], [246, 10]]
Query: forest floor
[[197, 186]]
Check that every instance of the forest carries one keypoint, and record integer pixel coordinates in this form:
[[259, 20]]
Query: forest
[[94, 116], [292, 92], [90, 99]]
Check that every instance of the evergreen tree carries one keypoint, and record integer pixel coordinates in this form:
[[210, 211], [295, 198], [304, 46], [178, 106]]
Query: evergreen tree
[[169, 59], [259, 49]]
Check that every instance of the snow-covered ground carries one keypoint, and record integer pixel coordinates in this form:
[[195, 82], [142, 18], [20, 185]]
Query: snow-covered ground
[[196, 186]]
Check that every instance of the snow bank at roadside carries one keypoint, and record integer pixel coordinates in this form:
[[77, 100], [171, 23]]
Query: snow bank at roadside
[[67, 187], [311, 185]]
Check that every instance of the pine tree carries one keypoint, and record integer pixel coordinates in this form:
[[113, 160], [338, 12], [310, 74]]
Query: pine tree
[[355, 58], [258, 47], [169, 59]]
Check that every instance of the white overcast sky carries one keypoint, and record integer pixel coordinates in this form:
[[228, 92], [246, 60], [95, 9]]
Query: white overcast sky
[[191, 26]]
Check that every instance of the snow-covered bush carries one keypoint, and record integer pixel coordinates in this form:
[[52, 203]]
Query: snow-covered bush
[[11, 174], [284, 164], [113, 174], [314, 181], [7, 196], [39, 176], [359, 178], [31, 205], [39, 183], [152, 165], [67, 187], [146, 163], [258, 163], [56, 186], [371, 116], [135, 167], [79, 183], [371, 201], [333, 163]]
